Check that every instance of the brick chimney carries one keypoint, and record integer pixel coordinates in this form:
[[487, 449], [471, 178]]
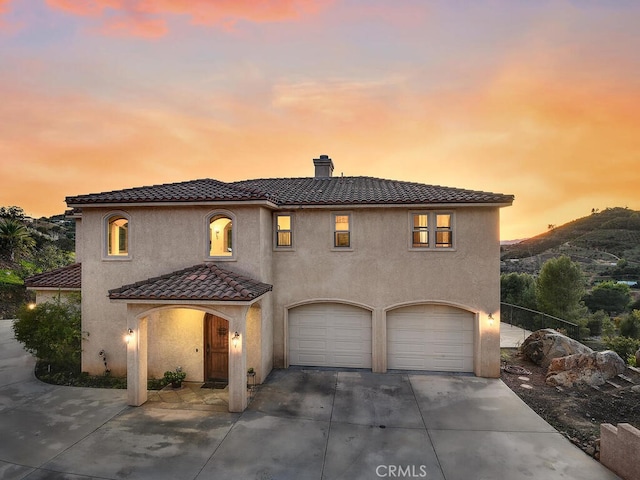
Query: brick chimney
[[324, 166]]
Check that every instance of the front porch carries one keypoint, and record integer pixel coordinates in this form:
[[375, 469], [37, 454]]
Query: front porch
[[212, 323], [194, 396]]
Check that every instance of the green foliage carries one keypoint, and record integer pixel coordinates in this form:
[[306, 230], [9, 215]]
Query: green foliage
[[9, 277], [47, 258], [630, 325], [631, 361], [518, 289], [608, 327], [623, 346], [52, 332], [176, 376], [560, 288], [15, 240], [609, 296], [595, 322]]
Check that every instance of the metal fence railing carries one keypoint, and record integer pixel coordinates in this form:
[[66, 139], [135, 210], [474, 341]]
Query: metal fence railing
[[533, 320]]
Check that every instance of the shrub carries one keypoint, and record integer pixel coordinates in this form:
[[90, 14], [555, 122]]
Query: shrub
[[630, 325], [595, 322], [52, 332], [623, 346]]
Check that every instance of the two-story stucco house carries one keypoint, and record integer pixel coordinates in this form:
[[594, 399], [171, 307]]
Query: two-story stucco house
[[354, 272]]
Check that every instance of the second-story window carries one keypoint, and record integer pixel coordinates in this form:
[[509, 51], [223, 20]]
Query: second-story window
[[431, 230], [444, 231], [284, 230], [117, 236], [420, 230], [341, 230], [220, 236]]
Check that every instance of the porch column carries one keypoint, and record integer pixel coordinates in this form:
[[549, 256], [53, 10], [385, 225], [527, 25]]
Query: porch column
[[137, 362], [238, 365]]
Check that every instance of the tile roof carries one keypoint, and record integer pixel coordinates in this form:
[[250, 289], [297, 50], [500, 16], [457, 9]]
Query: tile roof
[[203, 190], [364, 190], [68, 277], [297, 191], [206, 282]]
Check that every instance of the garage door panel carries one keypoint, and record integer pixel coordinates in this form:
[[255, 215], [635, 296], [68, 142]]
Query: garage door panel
[[329, 334], [430, 337]]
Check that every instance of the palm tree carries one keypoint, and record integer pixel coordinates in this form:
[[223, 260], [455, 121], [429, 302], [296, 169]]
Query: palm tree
[[14, 237]]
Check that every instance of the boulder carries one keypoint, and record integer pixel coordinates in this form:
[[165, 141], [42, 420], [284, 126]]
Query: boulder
[[593, 368], [544, 345]]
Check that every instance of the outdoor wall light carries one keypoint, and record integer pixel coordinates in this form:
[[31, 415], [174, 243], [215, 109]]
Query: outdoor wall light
[[31, 306], [128, 336], [490, 318], [235, 339]]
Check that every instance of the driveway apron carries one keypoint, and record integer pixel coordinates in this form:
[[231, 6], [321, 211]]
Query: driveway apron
[[303, 423]]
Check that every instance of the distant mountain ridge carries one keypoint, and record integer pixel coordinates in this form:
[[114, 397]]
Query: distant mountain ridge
[[600, 242]]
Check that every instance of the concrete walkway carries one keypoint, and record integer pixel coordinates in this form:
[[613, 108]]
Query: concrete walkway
[[302, 424], [512, 336]]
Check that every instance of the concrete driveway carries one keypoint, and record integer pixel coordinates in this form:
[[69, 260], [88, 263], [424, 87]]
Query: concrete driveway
[[302, 424]]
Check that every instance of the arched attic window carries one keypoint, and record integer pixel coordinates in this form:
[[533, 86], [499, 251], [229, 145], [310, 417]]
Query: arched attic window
[[221, 235]]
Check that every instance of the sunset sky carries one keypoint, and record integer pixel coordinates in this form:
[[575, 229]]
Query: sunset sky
[[540, 99]]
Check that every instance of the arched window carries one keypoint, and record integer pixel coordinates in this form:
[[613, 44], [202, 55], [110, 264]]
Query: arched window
[[220, 236], [117, 236]]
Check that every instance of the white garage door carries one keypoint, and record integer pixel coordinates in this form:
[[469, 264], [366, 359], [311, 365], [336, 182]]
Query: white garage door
[[430, 337], [330, 335]]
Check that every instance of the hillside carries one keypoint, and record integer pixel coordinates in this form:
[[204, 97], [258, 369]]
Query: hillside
[[606, 244]]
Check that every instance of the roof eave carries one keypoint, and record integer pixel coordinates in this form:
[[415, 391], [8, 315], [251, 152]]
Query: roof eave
[[264, 203], [299, 206], [182, 303]]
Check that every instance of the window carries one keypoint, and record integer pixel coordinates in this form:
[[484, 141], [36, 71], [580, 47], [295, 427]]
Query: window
[[431, 230], [341, 230], [420, 230], [444, 233], [220, 236], [117, 236], [284, 230]]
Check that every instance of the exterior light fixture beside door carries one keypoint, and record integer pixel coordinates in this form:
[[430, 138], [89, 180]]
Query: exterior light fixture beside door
[[128, 336], [235, 339]]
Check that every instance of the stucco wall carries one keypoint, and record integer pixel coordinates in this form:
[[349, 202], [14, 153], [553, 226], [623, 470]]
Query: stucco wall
[[161, 240], [381, 270], [175, 338], [43, 296]]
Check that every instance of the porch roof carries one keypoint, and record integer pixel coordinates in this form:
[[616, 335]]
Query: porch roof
[[65, 278], [206, 282]]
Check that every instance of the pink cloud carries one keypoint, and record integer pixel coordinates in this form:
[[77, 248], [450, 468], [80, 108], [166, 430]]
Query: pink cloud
[[147, 18]]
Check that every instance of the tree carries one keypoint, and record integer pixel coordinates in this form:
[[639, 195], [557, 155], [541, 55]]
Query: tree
[[14, 238], [14, 213], [609, 296], [560, 288], [518, 289]]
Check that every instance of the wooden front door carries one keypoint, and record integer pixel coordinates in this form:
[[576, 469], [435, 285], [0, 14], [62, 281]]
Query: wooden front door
[[216, 347]]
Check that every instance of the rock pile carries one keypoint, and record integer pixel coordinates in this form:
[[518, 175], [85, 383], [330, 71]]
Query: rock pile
[[569, 362]]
